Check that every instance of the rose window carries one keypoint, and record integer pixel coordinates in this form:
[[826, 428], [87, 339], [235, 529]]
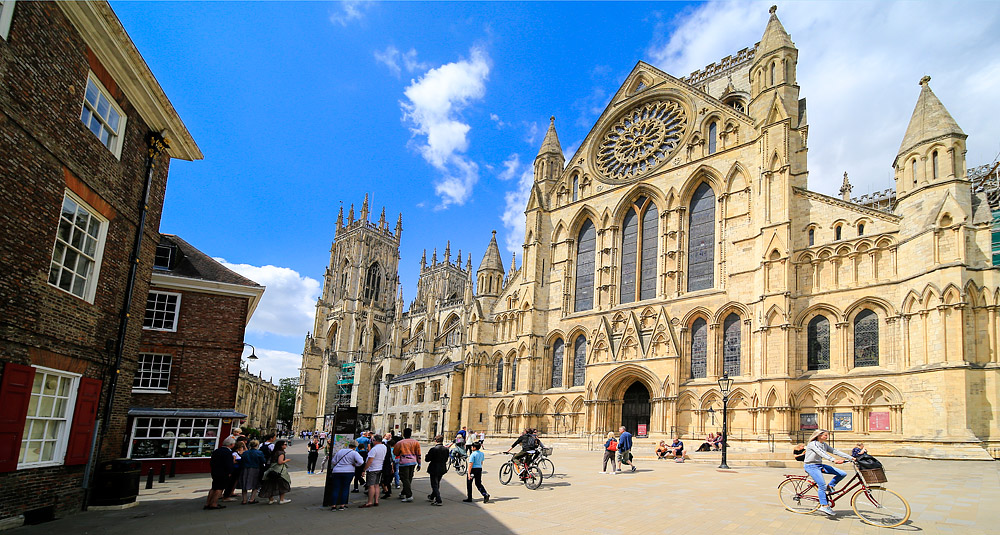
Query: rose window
[[641, 140]]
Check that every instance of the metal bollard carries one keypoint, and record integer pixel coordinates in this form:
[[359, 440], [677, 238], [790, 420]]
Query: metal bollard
[[163, 473], [173, 468], [149, 478]]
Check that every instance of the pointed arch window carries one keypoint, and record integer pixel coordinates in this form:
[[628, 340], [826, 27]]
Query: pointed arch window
[[812, 237], [576, 188], [934, 164], [373, 282], [699, 349], [713, 131], [913, 171], [838, 232], [701, 239], [772, 72], [866, 339], [499, 385], [513, 373], [343, 279], [639, 251], [558, 349], [585, 251], [579, 360], [818, 337], [731, 344], [861, 229]]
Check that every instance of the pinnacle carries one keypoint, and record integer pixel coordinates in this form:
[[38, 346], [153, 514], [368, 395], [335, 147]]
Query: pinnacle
[[930, 120], [492, 260], [774, 37], [550, 145]]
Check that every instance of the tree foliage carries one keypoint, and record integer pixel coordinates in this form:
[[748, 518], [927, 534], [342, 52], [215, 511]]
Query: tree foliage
[[286, 399]]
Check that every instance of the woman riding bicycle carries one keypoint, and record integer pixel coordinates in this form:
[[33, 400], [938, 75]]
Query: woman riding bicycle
[[816, 450]]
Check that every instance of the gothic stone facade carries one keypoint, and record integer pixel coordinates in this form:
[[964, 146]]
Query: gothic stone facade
[[681, 242]]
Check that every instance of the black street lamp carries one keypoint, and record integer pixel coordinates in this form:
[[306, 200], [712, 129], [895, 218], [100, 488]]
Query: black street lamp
[[253, 352], [725, 385], [444, 419]]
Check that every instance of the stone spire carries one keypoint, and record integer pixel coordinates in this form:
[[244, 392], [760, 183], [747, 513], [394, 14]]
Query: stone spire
[[434, 258], [468, 263], [550, 145], [774, 37], [350, 215], [381, 219], [399, 226], [930, 120], [491, 260], [423, 260], [447, 253], [513, 265], [364, 210], [845, 189], [340, 218]]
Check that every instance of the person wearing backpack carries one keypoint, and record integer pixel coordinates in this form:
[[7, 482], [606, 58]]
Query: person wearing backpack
[[528, 442], [610, 448]]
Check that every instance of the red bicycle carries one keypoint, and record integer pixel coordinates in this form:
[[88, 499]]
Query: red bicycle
[[872, 502]]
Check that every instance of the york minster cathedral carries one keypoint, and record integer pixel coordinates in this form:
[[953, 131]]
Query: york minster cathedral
[[678, 244]]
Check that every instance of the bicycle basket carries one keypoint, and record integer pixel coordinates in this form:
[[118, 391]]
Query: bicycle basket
[[873, 475], [546, 451]]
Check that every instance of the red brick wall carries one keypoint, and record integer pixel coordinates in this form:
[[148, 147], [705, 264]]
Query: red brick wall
[[206, 351], [45, 146]]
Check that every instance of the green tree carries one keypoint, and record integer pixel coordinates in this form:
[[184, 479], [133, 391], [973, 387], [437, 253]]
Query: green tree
[[286, 399]]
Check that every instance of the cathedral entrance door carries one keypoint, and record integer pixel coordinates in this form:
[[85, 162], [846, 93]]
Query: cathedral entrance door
[[635, 407]]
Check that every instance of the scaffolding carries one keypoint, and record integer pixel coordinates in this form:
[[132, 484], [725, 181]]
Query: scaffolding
[[345, 384]]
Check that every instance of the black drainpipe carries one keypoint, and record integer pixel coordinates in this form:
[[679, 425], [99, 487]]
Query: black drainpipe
[[156, 144]]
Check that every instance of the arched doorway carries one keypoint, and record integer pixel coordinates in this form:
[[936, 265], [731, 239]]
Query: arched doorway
[[635, 407]]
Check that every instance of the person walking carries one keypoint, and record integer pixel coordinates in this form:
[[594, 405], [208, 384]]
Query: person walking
[[276, 479], [624, 449], [342, 466], [253, 460], [388, 467], [314, 448], [475, 473], [408, 451], [437, 466], [221, 465], [373, 470], [610, 449]]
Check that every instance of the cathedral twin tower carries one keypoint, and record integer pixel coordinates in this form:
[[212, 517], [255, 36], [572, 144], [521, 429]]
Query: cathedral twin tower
[[680, 243]]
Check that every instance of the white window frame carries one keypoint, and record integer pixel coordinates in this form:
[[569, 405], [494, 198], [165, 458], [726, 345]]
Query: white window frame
[[59, 456], [116, 145], [175, 437], [165, 389], [91, 285], [6, 13], [177, 312]]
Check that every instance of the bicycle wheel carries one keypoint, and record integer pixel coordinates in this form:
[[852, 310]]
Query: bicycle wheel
[[548, 469], [880, 507], [534, 478], [797, 496], [506, 472], [461, 467]]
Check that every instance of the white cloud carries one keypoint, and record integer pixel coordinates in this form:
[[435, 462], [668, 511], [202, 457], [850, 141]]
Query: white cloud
[[531, 132], [433, 107], [288, 306], [274, 364], [515, 201], [496, 119], [350, 10], [858, 68], [510, 167], [391, 57]]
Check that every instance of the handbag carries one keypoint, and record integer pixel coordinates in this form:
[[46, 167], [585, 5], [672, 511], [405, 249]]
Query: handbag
[[613, 446]]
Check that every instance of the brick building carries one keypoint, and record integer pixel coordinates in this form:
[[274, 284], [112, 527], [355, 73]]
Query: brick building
[[86, 136], [184, 390], [258, 399]]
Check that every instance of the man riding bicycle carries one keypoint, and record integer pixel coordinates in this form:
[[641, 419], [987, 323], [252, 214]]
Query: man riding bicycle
[[529, 445], [457, 448]]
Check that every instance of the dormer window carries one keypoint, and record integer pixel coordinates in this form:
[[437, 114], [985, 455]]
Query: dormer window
[[737, 105], [164, 256]]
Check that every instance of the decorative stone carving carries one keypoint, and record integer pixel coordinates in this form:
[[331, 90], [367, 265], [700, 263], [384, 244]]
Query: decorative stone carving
[[641, 140]]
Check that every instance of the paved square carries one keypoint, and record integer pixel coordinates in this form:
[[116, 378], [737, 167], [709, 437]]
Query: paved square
[[660, 497]]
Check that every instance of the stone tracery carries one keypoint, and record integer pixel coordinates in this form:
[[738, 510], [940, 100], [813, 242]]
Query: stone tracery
[[641, 140]]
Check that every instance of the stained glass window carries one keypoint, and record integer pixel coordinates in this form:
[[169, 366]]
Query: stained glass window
[[630, 236], [647, 281], [731, 345], [701, 239], [499, 375], [866, 339], [818, 336], [558, 348], [579, 360], [699, 349], [373, 283], [513, 374], [712, 134], [586, 248]]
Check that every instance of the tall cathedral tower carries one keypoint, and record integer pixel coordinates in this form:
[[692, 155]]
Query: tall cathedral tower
[[354, 315]]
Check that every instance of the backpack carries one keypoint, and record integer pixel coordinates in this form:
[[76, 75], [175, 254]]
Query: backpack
[[613, 446], [867, 462], [531, 442]]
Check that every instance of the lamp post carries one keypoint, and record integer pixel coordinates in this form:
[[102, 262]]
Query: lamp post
[[725, 385], [253, 352], [444, 410], [711, 412]]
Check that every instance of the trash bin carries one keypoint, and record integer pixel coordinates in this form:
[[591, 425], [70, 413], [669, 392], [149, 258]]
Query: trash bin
[[116, 482]]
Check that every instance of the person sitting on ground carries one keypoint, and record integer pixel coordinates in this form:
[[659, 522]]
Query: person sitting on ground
[[859, 450], [708, 444], [676, 450], [718, 442], [661, 450]]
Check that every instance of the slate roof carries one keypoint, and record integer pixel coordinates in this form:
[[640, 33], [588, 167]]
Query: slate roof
[[191, 263], [427, 372]]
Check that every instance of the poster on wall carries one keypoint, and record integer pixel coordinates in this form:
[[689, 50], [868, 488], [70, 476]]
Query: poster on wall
[[641, 433], [843, 421], [808, 421], [878, 421]]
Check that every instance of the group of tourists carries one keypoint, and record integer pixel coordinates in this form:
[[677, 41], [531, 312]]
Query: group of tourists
[[618, 450], [255, 468]]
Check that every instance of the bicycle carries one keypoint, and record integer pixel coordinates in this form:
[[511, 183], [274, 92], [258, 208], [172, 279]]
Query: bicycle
[[873, 503], [459, 462], [543, 462], [532, 477]]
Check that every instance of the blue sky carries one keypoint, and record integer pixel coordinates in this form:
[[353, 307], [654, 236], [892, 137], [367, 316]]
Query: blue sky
[[438, 109]]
